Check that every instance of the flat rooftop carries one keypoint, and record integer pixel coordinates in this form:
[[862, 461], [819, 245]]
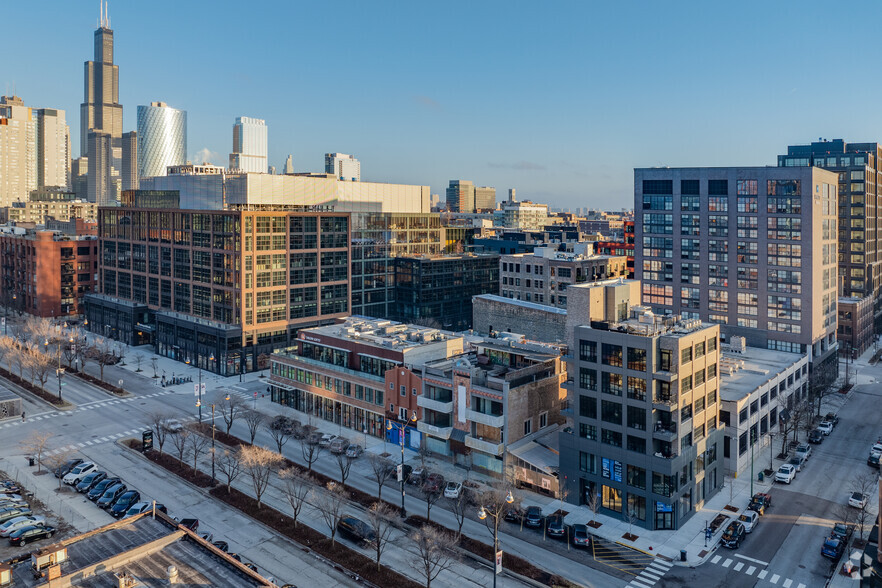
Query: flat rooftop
[[752, 369], [521, 303], [381, 333]]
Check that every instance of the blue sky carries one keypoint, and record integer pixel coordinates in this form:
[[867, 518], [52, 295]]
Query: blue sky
[[560, 100]]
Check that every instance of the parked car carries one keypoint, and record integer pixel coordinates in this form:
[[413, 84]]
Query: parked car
[[13, 525], [31, 534], [79, 472], [90, 481], [513, 514], [314, 438], [137, 509], [759, 502], [842, 531], [832, 418], [826, 427], [804, 448], [786, 473], [734, 535], [12, 512], [111, 494], [13, 500], [833, 547], [417, 476], [877, 447], [357, 531], [453, 489], [434, 484], [67, 466], [796, 461], [580, 536], [190, 523], [222, 545], [98, 489], [873, 459], [533, 517], [122, 504], [354, 451], [173, 426], [857, 500], [749, 518], [554, 526], [327, 439], [816, 437], [338, 445]]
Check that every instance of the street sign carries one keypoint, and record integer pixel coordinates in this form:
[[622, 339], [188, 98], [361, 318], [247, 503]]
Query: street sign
[[203, 387], [255, 393], [195, 389], [120, 383], [398, 472], [499, 562]]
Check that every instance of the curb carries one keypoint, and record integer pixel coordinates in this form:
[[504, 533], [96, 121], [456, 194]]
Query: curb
[[20, 390], [126, 393]]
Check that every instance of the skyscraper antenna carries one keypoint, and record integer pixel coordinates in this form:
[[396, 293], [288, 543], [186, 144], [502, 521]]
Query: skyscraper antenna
[[106, 15]]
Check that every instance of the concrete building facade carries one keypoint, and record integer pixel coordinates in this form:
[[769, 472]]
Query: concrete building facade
[[524, 215], [53, 148], [249, 146], [56, 203], [344, 167], [493, 313], [464, 196], [18, 151]]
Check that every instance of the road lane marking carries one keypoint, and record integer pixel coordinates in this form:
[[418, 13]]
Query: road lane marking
[[727, 563], [750, 570], [787, 583], [762, 574], [81, 445], [756, 561], [654, 577], [654, 565], [801, 586], [716, 559], [641, 582], [738, 566], [774, 579]]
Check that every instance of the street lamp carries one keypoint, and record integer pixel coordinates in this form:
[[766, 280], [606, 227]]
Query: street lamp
[[401, 427], [496, 512], [213, 479], [199, 385]]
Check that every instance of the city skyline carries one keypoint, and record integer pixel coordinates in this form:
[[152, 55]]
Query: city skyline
[[561, 109]]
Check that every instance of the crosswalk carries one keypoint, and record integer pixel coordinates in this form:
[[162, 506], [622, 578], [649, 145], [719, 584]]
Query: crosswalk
[[750, 567], [651, 574], [107, 438]]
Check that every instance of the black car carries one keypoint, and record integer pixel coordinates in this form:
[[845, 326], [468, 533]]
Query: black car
[[356, 530], [734, 535], [842, 531], [832, 419], [31, 534], [97, 491], [222, 545], [554, 526], [816, 437], [111, 494], [581, 538], [123, 503], [90, 481], [533, 517], [513, 514], [67, 466]]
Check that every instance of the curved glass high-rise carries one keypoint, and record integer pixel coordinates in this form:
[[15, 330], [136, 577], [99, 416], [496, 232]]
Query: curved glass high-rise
[[162, 138]]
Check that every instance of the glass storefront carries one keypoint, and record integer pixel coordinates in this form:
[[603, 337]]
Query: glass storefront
[[331, 410]]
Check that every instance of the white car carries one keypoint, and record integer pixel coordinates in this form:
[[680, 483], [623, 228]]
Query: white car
[[749, 518], [74, 476], [13, 525], [453, 489], [857, 500], [804, 450], [785, 473], [327, 439], [876, 448], [826, 427], [173, 426], [137, 509]]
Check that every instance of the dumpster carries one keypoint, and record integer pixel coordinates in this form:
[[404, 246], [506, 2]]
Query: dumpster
[[31, 461], [682, 555], [760, 477]]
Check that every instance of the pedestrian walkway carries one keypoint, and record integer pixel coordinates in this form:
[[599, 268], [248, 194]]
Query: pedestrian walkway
[[651, 574], [108, 438], [80, 408]]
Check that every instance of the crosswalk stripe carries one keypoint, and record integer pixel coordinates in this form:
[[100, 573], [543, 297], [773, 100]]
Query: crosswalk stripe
[[88, 443], [641, 582], [727, 563], [716, 559], [801, 586], [750, 570], [662, 563], [81, 445], [787, 583], [762, 574], [774, 579], [738, 566], [654, 577]]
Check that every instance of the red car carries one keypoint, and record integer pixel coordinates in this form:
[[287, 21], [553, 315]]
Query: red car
[[434, 484]]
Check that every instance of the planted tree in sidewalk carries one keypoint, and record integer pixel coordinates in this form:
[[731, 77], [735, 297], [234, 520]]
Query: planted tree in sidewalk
[[381, 470], [180, 441], [380, 518], [254, 420], [229, 465], [434, 552], [7, 345], [85, 354], [594, 504], [139, 359], [629, 515], [310, 451], [36, 445], [158, 423], [40, 366], [344, 463], [103, 356], [280, 429], [330, 503], [197, 446], [296, 489], [69, 351], [38, 330], [431, 498], [259, 463], [867, 485], [154, 364], [459, 507], [58, 459], [230, 408], [17, 359]]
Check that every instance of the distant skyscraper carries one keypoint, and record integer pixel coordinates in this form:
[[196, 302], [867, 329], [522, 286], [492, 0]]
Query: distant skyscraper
[[129, 175], [249, 145], [344, 166], [102, 113], [53, 148], [162, 138], [464, 196], [485, 199], [289, 166], [512, 195], [18, 151]]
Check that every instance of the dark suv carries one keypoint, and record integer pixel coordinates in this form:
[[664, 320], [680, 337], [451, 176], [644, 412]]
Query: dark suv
[[734, 535], [356, 530], [533, 517], [111, 494], [90, 481], [554, 526], [98, 489], [123, 503]]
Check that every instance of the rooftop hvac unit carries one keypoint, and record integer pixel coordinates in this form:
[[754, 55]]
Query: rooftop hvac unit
[[738, 344]]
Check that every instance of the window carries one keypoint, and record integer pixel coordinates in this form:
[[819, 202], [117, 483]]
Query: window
[[588, 351], [612, 355], [637, 444], [742, 415], [587, 407], [611, 412], [587, 462], [587, 379], [686, 355], [699, 377], [613, 438], [588, 432], [636, 359], [637, 418], [403, 390], [686, 413], [686, 384], [612, 498], [636, 388], [528, 426], [413, 391], [612, 384], [543, 419], [637, 477], [662, 484], [699, 406], [637, 506], [402, 412]]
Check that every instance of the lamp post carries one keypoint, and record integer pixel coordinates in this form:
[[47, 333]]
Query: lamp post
[[495, 512], [199, 385], [213, 479], [402, 427]]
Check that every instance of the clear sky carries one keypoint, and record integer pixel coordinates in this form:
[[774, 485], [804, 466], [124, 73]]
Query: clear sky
[[560, 100]]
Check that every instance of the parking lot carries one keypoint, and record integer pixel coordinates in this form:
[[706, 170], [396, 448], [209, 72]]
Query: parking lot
[[38, 508]]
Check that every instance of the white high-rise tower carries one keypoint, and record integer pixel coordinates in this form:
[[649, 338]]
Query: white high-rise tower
[[249, 145]]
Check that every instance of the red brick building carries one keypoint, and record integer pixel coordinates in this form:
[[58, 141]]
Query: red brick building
[[47, 272], [624, 247]]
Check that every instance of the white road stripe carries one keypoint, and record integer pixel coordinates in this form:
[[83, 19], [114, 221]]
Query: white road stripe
[[716, 559], [774, 579], [81, 445], [105, 439], [787, 583], [738, 566], [654, 577], [727, 563], [756, 561], [801, 586], [662, 564], [88, 442], [762, 574], [750, 570], [642, 583]]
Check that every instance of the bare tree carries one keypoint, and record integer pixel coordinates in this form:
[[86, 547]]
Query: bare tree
[[254, 420], [7, 344], [158, 423], [380, 518], [866, 485], [84, 354], [330, 503], [18, 359], [153, 364], [103, 356], [431, 498], [345, 464], [39, 366], [297, 488], [229, 465], [789, 420], [35, 445], [310, 451], [434, 551], [197, 445], [458, 507], [180, 441], [69, 349], [381, 470], [139, 359], [280, 429], [629, 515], [231, 407], [594, 504], [259, 462], [58, 459], [38, 330]]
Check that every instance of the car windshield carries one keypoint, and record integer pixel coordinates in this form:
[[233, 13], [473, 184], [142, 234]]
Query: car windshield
[[784, 469], [857, 495]]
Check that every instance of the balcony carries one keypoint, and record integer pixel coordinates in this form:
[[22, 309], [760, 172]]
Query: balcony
[[484, 446], [436, 405], [485, 419], [666, 376], [665, 431], [569, 384], [439, 432]]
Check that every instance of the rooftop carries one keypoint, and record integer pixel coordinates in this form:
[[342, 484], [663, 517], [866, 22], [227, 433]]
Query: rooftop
[[381, 333], [742, 373], [521, 303]]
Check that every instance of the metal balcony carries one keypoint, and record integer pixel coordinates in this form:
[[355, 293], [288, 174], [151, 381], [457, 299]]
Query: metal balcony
[[664, 432], [436, 405], [439, 432], [484, 446], [485, 419]]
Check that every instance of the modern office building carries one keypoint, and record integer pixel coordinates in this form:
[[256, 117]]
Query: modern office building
[[101, 119], [623, 246], [79, 177], [221, 289], [524, 215], [464, 196], [544, 275], [57, 203], [860, 198], [644, 394], [18, 151], [162, 139], [53, 148], [752, 249], [129, 171], [360, 373], [288, 168], [343, 166], [46, 272], [438, 290], [249, 146]]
